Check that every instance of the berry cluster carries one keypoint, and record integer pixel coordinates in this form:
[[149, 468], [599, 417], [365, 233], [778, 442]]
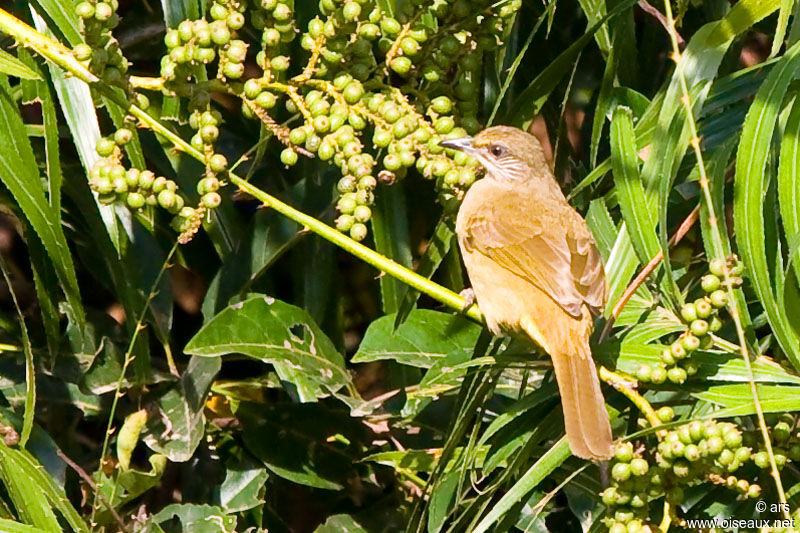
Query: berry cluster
[[692, 453], [101, 52], [138, 189], [702, 319], [785, 442], [375, 92]]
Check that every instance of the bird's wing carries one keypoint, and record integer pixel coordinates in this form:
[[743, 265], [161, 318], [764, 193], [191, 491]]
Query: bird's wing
[[564, 264]]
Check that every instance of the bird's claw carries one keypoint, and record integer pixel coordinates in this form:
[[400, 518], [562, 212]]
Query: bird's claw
[[469, 298]]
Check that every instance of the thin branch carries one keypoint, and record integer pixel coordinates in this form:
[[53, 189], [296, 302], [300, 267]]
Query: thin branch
[[733, 306], [89, 481]]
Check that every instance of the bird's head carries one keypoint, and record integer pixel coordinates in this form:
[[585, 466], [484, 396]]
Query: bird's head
[[508, 154]]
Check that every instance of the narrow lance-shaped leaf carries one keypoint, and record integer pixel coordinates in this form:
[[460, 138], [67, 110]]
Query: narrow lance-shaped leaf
[[749, 190]]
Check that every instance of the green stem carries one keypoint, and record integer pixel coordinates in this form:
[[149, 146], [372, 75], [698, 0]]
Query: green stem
[[733, 306], [63, 57]]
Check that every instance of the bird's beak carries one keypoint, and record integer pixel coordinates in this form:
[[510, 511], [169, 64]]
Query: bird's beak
[[463, 144]]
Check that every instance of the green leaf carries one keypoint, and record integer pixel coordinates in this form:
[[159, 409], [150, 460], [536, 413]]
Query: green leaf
[[439, 245], [304, 443], [636, 207], [197, 518], [738, 399], [12, 66], [37, 486], [18, 173], [712, 366], [183, 407], [243, 487], [276, 333], [62, 17], [341, 522], [542, 468], [176, 11], [423, 339], [390, 230], [9, 526], [750, 183], [530, 101], [789, 183]]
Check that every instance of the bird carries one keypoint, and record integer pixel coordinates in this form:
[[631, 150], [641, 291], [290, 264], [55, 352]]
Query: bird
[[535, 270]]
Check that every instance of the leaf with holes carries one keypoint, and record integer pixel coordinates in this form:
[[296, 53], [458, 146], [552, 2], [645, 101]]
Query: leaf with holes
[[280, 334]]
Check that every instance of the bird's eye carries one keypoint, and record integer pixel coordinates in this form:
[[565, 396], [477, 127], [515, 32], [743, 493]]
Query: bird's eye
[[497, 150]]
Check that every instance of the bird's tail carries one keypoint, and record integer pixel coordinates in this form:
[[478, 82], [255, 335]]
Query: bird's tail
[[585, 416]]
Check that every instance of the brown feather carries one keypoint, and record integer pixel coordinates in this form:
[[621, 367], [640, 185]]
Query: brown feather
[[535, 269]]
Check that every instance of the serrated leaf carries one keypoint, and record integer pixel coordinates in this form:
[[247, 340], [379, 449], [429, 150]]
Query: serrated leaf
[[749, 193], [12, 66]]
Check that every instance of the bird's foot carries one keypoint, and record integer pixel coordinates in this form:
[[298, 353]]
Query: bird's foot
[[469, 298]]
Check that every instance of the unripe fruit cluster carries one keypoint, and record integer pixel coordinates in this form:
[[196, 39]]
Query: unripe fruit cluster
[[692, 453], [132, 187], [101, 52], [357, 84], [702, 319], [141, 188], [200, 42], [785, 437]]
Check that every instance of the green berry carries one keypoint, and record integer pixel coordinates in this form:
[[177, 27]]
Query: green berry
[[267, 100], [719, 299], [218, 163], [103, 12], [390, 26], [709, 283], [676, 375], [621, 471], [235, 20], [135, 200], [282, 13], [166, 199], [699, 327], [206, 185], [351, 10], [442, 105], [233, 71], [105, 147], [211, 200], [220, 33], [639, 466], [691, 453], [288, 157], [659, 375], [353, 92], [401, 65], [715, 445], [665, 414], [146, 179], [716, 267], [691, 342], [704, 308], [689, 312], [409, 46], [344, 223], [84, 10], [358, 232], [643, 373], [677, 350], [444, 125], [609, 496], [623, 452], [362, 213], [209, 134]]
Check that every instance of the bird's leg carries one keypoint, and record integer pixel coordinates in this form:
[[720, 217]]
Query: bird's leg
[[469, 298]]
